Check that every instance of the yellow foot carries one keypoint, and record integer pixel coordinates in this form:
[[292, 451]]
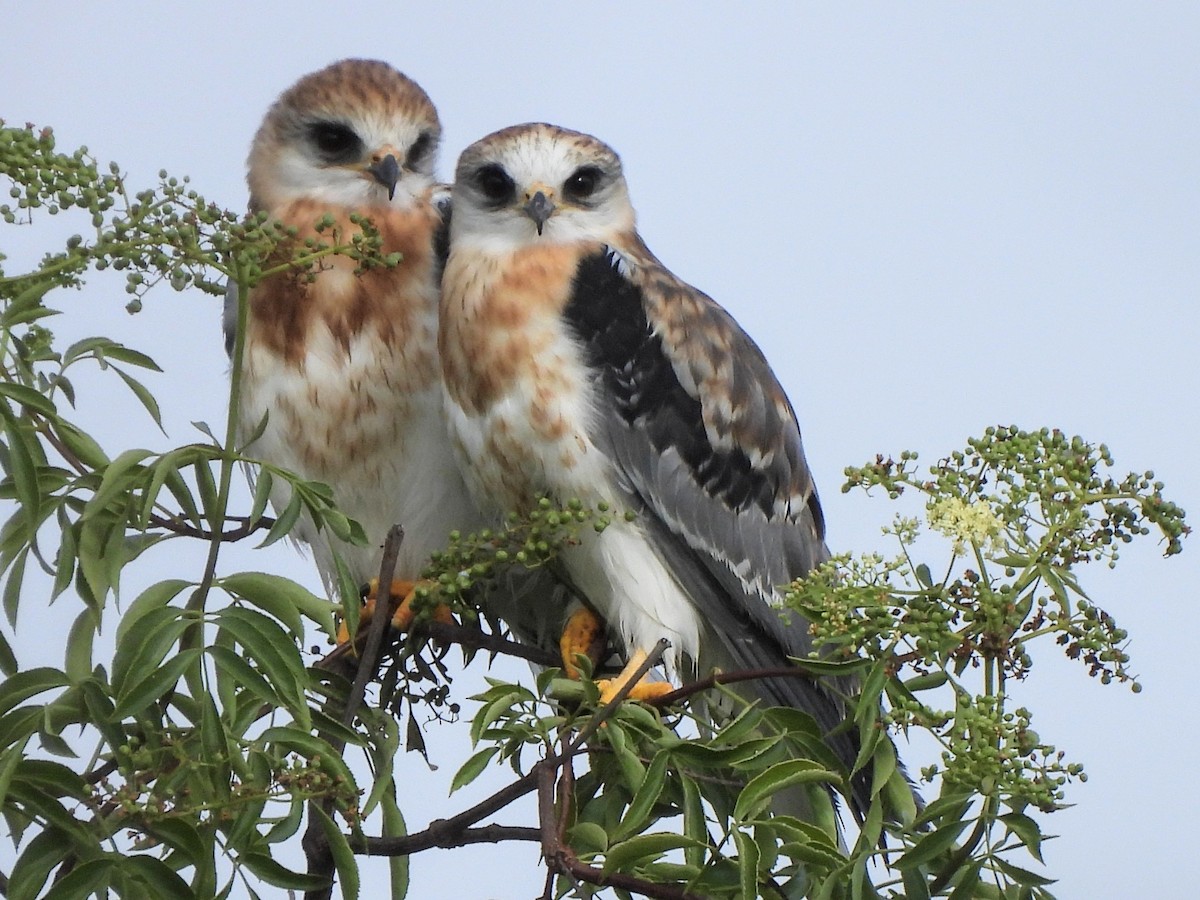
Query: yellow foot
[[643, 690], [583, 634], [402, 594]]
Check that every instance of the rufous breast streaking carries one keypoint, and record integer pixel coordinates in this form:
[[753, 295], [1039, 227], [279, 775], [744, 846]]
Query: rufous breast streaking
[[344, 365]]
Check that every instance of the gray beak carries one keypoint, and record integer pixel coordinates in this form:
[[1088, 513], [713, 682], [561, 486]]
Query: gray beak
[[539, 208], [387, 173]]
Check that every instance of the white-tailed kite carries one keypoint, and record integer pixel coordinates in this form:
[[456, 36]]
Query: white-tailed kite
[[577, 366], [345, 366]]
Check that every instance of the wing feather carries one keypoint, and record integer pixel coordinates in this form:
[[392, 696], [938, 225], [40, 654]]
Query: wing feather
[[707, 449]]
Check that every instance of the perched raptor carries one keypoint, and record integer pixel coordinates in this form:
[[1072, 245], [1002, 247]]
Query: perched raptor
[[345, 367], [577, 366]]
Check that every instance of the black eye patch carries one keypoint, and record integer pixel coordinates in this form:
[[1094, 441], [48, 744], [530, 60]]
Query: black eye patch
[[582, 183], [335, 142], [419, 150], [495, 184]]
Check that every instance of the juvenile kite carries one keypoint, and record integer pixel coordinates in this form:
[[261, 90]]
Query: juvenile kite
[[577, 366], [346, 368]]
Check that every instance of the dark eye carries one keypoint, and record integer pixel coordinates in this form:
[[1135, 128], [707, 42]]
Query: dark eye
[[582, 183], [334, 141], [495, 183], [420, 148]]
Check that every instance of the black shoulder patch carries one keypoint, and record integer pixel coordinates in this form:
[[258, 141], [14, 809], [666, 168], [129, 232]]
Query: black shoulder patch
[[608, 316]]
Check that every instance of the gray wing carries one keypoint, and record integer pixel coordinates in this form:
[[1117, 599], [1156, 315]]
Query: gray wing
[[705, 440]]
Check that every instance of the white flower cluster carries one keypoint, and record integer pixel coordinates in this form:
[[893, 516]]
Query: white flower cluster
[[967, 523]]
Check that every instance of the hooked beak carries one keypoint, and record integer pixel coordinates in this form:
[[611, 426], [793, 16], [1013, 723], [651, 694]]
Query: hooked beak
[[539, 208], [387, 172]]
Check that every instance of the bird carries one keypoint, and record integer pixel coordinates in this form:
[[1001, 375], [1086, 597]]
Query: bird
[[578, 367], [340, 380]]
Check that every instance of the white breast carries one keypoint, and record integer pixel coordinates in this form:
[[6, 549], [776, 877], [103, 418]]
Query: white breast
[[363, 422]]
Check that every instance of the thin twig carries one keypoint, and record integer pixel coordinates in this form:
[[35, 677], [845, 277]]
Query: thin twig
[[316, 847], [704, 684], [484, 834], [176, 525]]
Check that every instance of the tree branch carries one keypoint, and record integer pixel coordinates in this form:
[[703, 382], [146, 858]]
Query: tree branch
[[176, 525], [316, 847], [704, 684]]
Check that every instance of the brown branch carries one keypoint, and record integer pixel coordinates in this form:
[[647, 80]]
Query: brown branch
[[443, 832], [704, 684], [475, 639], [316, 847], [446, 840], [176, 525], [562, 859]]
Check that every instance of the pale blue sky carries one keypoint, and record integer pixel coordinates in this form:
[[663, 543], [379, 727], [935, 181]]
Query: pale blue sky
[[931, 216]]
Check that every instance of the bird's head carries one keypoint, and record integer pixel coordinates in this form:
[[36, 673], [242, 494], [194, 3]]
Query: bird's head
[[539, 183], [357, 133]]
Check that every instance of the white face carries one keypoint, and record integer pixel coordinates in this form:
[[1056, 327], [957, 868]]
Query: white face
[[328, 139], [583, 190], [332, 159]]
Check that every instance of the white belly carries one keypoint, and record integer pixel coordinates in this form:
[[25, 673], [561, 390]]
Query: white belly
[[509, 461], [352, 422]]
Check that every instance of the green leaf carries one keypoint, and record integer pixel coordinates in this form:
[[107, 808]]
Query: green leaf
[[694, 822], [229, 664], [747, 857], [931, 846], [85, 880], [624, 856], [145, 644], [289, 824], [472, 768], [276, 875], [22, 464], [1023, 876], [587, 838], [10, 759], [120, 476], [644, 799], [124, 354], [20, 687], [757, 793], [79, 646], [282, 598], [275, 652], [285, 521], [143, 394], [924, 576], [80, 443], [8, 659], [968, 883], [491, 712], [28, 397], [45, 851], [183, 837], [155, 685], [154, 877], [157, 596], [343, 856], [263, 481], [884, 764], [928, 681], [394, 826], [13, 587], [1026, 830], [915, 887]]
